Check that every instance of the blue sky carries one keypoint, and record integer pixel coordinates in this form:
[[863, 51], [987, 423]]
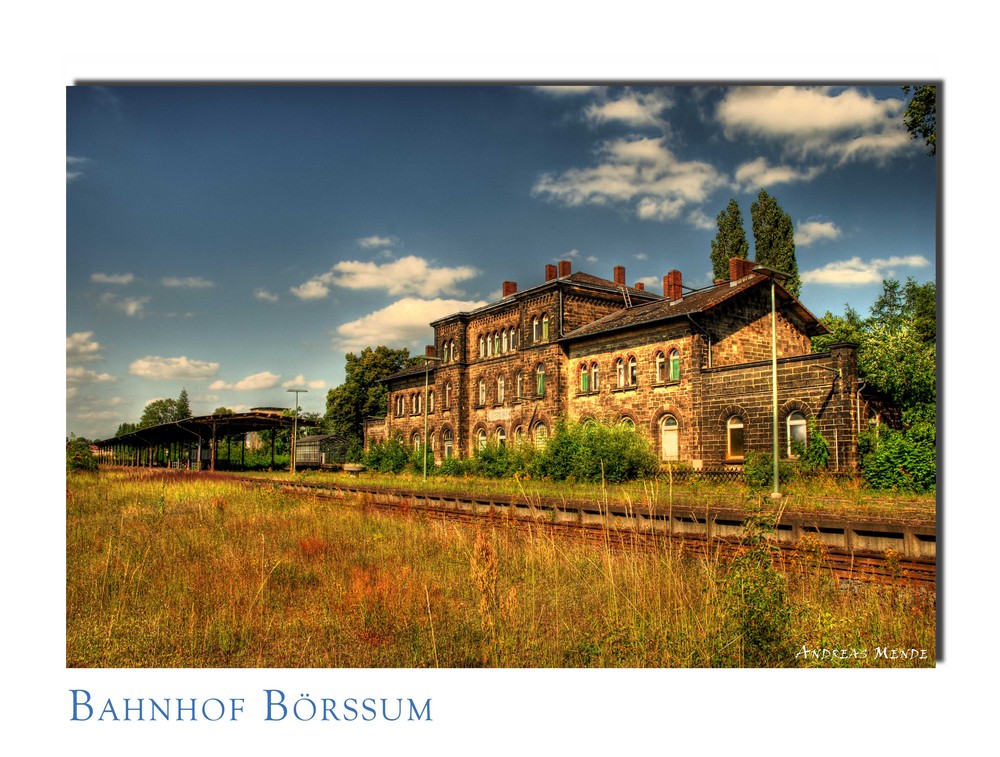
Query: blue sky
[[239, 240]]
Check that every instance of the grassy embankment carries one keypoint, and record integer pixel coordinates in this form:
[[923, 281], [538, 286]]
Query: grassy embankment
[[179, 572]]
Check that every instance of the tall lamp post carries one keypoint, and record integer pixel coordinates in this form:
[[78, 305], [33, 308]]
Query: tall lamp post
[[295, 423], [428, 359], [774, 275]]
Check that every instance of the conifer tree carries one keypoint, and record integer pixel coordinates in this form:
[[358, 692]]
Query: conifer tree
[[729, 242], [773, 238]]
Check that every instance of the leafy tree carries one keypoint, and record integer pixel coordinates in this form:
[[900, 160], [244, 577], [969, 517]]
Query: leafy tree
[[920, 117], [774, 239], [361, 395], [183, 408], [730, 241], [222, 411], [157, 412], [849, 327]]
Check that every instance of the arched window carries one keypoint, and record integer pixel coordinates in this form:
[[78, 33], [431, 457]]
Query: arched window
[[626, 422], [518, 437], [541, 435], [416, 403], [481, 439], [540, 379], [675, 365], [430, 401], [594, 377], [513, 338], [501, 437], [482, 346], [632, 371], [735, 448], [619, 372], [661, 368], [798, 433], [446, 435], [496, 342], [415, 439], [500, 389], [399, 405], [584, 378], [545, 327], [489, 345], [506, 340], [519, 386], [482, 391], [447, 395], [669, 448], [536, 329]]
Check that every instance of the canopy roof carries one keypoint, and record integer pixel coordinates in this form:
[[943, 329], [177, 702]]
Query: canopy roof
[[203, 427]]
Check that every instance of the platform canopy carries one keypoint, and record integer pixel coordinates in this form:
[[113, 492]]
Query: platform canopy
[[203, 427]]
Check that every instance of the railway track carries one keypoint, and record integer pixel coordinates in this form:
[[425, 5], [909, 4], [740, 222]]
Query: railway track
[[716, 533]]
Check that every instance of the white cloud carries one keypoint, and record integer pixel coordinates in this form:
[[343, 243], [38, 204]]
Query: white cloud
[[81, 346], [314, 289], [635, 109], [817, 121], [855, 272], [567, 90], [571, 255], [80, 375], [642, 171], [112, 278], [701, 220], [650, 282], [156, 367], [373, 242], [74, 161], [263, 380], [189, 282], [403, 323], [263, 294], [808, 232], [131, 306], [407, 275], [300, 381], [758, 174]]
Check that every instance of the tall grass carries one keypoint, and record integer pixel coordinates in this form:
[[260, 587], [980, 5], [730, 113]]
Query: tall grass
[[173, 572]]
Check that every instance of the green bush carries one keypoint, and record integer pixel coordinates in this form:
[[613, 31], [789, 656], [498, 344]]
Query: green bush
[[758, 613], [903, 460], [594, 452], [79, 455], [758, 470], [814, 455], [388, 456]]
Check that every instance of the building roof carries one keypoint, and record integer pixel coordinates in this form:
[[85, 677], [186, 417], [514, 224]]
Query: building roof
[[578, 279], [696, 302]]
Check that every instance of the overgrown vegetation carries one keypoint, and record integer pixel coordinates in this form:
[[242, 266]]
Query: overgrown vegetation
[[177, 571], [897, 361], [589, 452]]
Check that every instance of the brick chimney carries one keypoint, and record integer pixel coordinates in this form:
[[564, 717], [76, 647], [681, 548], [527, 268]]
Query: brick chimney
[[640, 286], [620, 275], [429, 351], [550, 272], [565, 268], [672, 286], [509, 288], [738, 268]]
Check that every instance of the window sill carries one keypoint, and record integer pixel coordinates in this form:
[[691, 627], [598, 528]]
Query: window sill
[[672, 382], [631, 388]]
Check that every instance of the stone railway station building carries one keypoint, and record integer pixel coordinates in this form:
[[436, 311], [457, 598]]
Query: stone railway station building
[[690, 369]]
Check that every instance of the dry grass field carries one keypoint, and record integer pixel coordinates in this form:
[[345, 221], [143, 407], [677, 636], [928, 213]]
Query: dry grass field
[[177, 572]]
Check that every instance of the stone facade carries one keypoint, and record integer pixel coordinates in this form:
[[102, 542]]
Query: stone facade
[[692, 371]]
